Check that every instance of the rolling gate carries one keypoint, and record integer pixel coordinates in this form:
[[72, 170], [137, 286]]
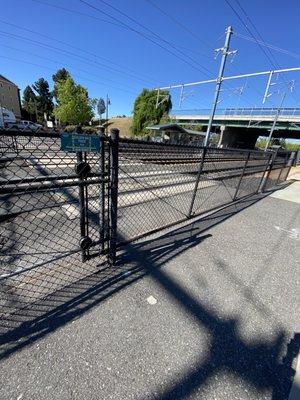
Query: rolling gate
[[64, 213]]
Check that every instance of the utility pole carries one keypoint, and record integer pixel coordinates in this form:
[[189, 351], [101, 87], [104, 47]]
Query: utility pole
[[106, 108], [225, 53], [275, 121]]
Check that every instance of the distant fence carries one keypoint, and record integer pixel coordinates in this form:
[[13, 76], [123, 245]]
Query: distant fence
[[162, 184]]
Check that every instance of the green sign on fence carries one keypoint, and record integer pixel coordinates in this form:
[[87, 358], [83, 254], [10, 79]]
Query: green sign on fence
[[72, 142]]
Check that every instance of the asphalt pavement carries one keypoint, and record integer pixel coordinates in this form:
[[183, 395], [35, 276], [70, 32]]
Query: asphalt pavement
[[206, 310]]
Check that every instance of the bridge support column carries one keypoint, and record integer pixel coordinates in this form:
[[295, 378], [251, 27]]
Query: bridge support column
[[241, 138], [222, 129]]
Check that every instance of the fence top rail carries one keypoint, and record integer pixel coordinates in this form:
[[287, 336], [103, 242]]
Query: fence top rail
[[19, 133], [56, 135], [36, 135], [186, 146]]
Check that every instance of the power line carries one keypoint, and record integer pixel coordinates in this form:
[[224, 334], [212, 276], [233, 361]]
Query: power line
[[270, 57], [275, 62], [270, 46], [57, 49], [117, 24], [76, 48], [49, 68], [249, 31], [182, 26], [253, 36], [45, 3], [152, 32], [68, 66], [178, 23], [144, 36]]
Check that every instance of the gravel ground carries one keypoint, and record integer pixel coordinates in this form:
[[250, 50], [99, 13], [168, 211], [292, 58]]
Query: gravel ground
[[207, 310]]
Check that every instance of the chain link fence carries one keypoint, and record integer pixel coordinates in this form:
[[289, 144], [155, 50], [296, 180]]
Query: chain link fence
[[162, 184], [63, 214], [279, 169]]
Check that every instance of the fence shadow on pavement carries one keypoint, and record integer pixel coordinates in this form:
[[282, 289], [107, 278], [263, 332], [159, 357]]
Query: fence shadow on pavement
[[257, 363], [266, 364], [30, 323]]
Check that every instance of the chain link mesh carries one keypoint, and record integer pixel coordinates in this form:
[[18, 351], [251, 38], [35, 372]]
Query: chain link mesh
[[159, 185], [40, 215], [157, 182]]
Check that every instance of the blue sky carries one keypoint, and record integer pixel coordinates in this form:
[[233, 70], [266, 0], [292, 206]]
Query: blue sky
[[106, 57]]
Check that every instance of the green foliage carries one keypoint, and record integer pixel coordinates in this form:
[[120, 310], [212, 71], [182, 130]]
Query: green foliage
[[196, 127], [165, 119], [74, 106], [29, 102], [85, 129], [261, 144], [60, 75], [292, 146], [44, 102], [145, 112]]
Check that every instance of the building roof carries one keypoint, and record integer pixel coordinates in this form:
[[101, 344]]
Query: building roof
[[2, 78], [175, 128]]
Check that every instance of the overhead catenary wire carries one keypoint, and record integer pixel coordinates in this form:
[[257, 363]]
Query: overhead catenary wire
[[118, 20], [270, 46], [69, 67], [60, 7], [198, 38], [156, 35], [97, 56], [174, 20], [49, 68], [272, 57], [248, 30], [69, 53], [150, 39], [269, 57]]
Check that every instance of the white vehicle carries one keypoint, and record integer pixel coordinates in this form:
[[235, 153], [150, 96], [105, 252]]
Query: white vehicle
[[7, 118], [28, 125]]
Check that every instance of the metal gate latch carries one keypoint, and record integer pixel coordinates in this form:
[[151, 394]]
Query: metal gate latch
[[85, 242], [82, 168]]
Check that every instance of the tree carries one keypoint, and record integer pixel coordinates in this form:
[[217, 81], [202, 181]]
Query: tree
[[43, 99], [261, 144], [29, 103], [145, 111], [196, 127], [292, 146], [73, 104], [60, 75]]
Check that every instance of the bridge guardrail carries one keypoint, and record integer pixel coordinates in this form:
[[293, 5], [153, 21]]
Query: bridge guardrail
[[243, 112]]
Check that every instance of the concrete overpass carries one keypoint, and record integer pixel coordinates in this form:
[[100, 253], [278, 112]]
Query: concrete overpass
[[240, 127]]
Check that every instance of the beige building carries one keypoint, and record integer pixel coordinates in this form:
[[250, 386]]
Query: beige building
[[10, 96]]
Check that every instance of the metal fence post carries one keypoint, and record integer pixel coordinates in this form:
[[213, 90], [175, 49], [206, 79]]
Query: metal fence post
[[264, 175], [241, 177], [114, 152], [281, 169], [292, 161], [80, 169], [288, 162], [197, 182], [270, 168], [103, 220]]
